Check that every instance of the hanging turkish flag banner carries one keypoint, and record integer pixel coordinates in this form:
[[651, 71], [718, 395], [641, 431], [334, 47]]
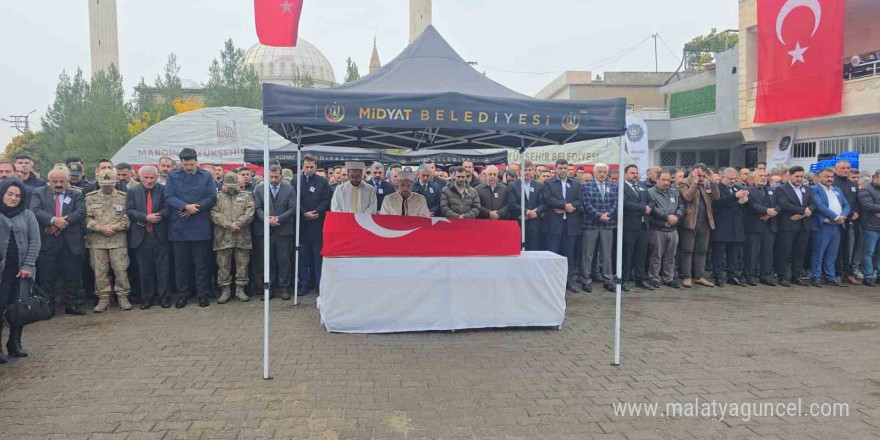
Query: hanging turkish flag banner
[[277, 21], [800, 59], [366, 235]]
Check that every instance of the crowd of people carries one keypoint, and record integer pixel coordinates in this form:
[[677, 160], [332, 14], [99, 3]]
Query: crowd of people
[[181, 230]]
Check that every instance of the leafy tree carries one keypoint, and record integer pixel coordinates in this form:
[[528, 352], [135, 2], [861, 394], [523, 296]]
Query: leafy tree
[[28, 143], [141, 122], [231, 82], [302, 78], [701, 49], [351, 70], [87, 119], [187, 104]]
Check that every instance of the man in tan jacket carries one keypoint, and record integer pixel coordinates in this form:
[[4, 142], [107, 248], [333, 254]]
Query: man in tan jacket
[[697, 191]]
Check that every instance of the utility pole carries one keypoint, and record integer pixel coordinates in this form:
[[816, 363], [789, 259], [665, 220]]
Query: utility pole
[[656, 65], [19, 122]]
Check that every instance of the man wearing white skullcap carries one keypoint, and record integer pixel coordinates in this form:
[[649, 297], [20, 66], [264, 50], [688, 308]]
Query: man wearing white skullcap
[[405, 202], [354, 196]]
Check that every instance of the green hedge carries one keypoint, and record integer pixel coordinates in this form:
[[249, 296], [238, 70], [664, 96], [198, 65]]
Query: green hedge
[[692, 102]]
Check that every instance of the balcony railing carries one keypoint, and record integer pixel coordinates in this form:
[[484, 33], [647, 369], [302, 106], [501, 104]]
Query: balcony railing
[[869, 67]]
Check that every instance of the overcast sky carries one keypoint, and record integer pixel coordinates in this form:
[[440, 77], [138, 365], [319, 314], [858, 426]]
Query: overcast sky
[[507, 38]]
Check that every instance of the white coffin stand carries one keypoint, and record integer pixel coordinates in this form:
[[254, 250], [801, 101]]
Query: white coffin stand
[[385, 295]]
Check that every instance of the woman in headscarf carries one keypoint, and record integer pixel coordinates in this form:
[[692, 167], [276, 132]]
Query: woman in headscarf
[[19, 247]]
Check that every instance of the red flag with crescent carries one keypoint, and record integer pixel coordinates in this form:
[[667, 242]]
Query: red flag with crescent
[[366, 235], [800, 59], [277, 21]]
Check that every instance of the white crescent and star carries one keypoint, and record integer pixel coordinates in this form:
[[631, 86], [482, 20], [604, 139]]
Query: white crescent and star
[[797, 55], [366, 221]]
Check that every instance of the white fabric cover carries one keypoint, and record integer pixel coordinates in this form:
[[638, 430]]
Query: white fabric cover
[[383, 295]]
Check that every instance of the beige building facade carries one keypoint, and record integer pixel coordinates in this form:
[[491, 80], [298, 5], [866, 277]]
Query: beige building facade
[[641, 89]]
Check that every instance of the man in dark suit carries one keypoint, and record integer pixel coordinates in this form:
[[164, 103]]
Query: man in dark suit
[[600, 222], [148, 237], [729, 234], [635, 230], [761, 229], [428, 187], [280, 212], [847, 259], [383, 187], [469, 168], [60, 211], [314, 204], [565, 202], [493, 196], [827, 224], [795, 203], [534, 205]]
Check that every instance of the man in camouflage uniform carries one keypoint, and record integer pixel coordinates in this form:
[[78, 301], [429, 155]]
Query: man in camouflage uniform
[[232, 215], [107, 223]]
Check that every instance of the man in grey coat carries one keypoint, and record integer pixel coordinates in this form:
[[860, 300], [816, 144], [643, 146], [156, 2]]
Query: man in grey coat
[[667, 210], [280, 212]]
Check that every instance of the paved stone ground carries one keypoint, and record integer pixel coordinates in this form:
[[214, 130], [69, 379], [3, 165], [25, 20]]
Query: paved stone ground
[[196, 373]]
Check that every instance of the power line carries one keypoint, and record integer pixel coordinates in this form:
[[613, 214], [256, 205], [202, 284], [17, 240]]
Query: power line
[[19, 122], [593, 65], [671, 52]]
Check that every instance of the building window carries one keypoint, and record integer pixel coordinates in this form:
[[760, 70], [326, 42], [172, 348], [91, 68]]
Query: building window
[[668, 158], [630, 106], [708, 158], [688, 158], [833, 146], [868, 144], [804, 150], [723, 158]]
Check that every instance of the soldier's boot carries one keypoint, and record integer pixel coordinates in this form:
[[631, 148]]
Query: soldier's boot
[[241, 295], [103, 303], [224, 295], [124, 303]]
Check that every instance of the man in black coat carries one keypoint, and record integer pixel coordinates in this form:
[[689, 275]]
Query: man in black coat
[[61, 213], [383, 187], [534, 205], [280, 212], [635, 230], [761, 229], [729, 234], [314, 204], [148, 237], [847, 261], [565, 204], [795, 208], [430, 188]]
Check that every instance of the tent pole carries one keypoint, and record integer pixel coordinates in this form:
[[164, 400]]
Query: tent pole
[[299, 217], [267, 280], [522, 196], [619, 280]]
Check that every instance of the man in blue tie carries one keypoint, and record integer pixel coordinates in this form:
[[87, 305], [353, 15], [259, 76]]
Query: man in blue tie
[[831, 212], [383, 188]]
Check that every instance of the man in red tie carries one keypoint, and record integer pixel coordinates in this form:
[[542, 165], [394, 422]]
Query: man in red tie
[[145, 206], [60, 211]]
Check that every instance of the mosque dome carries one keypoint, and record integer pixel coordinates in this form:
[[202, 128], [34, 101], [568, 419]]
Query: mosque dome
[[276, 64]]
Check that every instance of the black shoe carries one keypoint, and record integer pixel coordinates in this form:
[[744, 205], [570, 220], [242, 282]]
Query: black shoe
[[869, 282], [719, 283], [302, 292], [165, 303], [203, 302], [571, 287], [625, 287], [144, 305], [734, 281], [751, 281], [3, 359], [784, 283], [768, 282], [655, 283], [645, 285], [817, 283], [181, 303], [673, 284], [834, 283], [74, 311], [799, 282], [609, 287], [13, 345], [587, 287]]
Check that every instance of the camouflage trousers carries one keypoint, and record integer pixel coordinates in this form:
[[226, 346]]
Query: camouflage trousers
[[224, 266], [102, 261]]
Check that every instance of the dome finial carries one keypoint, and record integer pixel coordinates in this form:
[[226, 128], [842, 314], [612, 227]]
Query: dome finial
[[374, 58]]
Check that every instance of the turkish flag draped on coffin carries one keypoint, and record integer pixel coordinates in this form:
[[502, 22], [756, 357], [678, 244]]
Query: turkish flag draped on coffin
[[800, 59], [365, 235], [277, 21]]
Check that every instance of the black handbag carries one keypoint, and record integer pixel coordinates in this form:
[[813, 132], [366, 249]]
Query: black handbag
[[29, 306]]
